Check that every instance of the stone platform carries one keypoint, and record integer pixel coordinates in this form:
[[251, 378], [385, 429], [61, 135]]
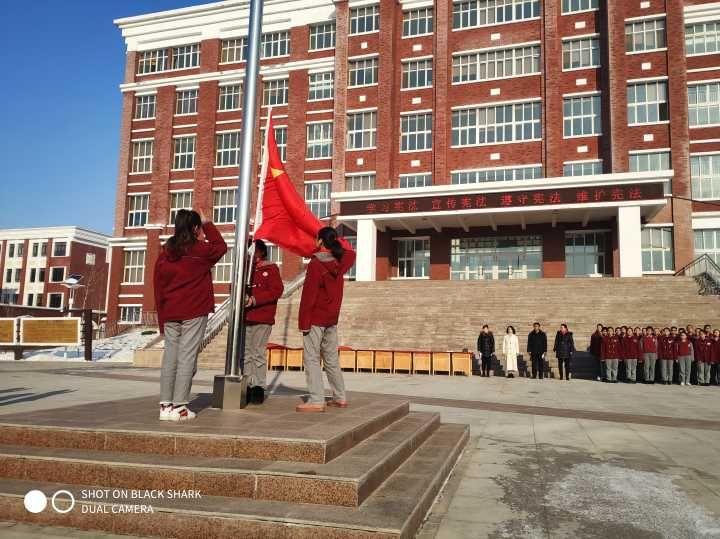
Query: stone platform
[[373, 469]]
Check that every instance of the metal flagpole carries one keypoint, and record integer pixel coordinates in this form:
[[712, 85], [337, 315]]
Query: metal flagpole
[[229, 390]]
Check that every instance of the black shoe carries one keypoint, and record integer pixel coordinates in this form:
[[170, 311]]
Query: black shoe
[[259, 396]]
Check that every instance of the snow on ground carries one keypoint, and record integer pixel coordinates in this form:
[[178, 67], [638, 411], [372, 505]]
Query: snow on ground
[[118, 349]]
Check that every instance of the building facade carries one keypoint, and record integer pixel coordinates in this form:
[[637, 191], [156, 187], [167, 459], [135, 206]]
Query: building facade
[[36, 262], [470, 139]]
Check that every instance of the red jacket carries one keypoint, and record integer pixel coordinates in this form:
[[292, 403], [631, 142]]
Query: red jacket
[[705, 350], [666, 347], [267, 287], [631, 347], [684, 349], [611, 348], [323, 289], [649, 344], [183, 286]]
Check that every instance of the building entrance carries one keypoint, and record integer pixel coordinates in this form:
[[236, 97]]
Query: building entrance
[[496, 258]]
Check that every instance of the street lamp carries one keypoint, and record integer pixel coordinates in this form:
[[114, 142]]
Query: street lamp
[[73, 283]]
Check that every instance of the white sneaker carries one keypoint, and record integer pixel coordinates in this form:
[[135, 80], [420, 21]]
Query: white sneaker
[[682, 383], [165, 411], [181, 413]]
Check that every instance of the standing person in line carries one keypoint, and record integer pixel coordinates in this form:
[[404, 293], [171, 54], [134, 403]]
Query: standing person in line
[[704, 358], [716, 357], [319, 313], [486, 349], [611, 353], [631, 353], [564, 349], [666, 354], [595, 346], [649, 351], [183, 298], [685, 353], [260, 307], [537, 348], [511, 349]]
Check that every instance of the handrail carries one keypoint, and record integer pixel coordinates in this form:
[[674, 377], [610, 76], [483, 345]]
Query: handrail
[[705, 271]]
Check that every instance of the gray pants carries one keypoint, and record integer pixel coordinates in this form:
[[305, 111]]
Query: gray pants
[[703, 372], [666, 369], [179, 364], [255, 367], [631, 369], [322, 341], [650, 359], [611, 369], [685, 369]]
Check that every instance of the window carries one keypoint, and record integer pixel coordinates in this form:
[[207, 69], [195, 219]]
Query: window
[[11, 250], [43, 249], [657, 246], [273, 254], [360, 182], [642, 162], [227, 149], [30, 298], [702, 38], [317, 197], [275, 44], [280, 141], [581, 116], [33, 275], [179, 200], [233, 50], [55, 301], [35, 249], [134, 266], [142, 156], [224, 205], [571, 6], [321, 86], [89, 259], [415, 132], [57, 275], [18, 273], [275, 92], [496, 64], [418, 22], [647, 102], [8, 276], [504, 174], [186, 56], [60, 248], [145, 107], [322, 36], [707, 242], [364, 19], [152, 61], [415, 180], [704, 104], [222, 271], [705, 176], [582, 168], [363, 72], [581, 53], [186, 102], [20, 249], [645, 35], [130, 314], [413, 257], [352, 272], [184, 153], [417, 73], [495, 124], [138, 210], [319, 140], [229, 97], [496, 258], [473, 13], [41, 275], [361, 130]]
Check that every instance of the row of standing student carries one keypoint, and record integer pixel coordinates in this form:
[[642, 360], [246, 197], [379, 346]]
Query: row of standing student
[[675, 353]]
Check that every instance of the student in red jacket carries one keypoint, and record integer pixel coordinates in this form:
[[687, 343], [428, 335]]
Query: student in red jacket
[[685, 354], [183, 298], [649, 350], [319, 313], [631, 353], [260, 306], [611, 352], [666, 355], [705, 349]]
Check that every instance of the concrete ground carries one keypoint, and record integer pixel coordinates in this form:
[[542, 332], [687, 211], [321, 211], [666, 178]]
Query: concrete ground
[[548, 458]]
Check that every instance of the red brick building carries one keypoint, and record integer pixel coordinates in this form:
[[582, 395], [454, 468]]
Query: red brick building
[[464, 139], [35, 262]]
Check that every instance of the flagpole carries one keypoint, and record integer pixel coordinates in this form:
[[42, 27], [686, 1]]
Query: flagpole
[[229, 390]]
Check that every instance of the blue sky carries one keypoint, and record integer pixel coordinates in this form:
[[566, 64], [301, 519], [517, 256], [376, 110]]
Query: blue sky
[[60, 109]]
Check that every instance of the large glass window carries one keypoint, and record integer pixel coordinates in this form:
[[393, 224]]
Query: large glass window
[[319, 140], [227, 148], [704, 104], [145, 106], [321, 85], [224, 205], [418, 22], [647, 102], [415, 132], [360, 182], [186, 102], [275, 44], [186, 56], [322, 36], [496, 64], [572, 6], [702, 38], [222, 271], [363, 72], [184, 158], [707, 242], [417, 73], [497, 258], [582, 168], [59, 248], [179, 200], [280, 142], [472, 13], [503, 174], [361, 130], [581, 116], [585, 253], [142, 156], [138, 210], [581, 53], [129, 314], [317, 197], [152, 61], [415, 180], [705, 176], [413, 256], [364, 19], [233, 50], [134, 266], [642, 162], [495, 124], [657, 249], [645, 35], [275, 92], [229, 97]]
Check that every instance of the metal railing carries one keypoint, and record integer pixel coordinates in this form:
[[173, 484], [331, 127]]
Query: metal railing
[[705, 272]]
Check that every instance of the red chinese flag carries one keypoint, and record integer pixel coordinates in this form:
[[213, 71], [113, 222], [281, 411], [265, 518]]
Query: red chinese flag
[[286, 220]]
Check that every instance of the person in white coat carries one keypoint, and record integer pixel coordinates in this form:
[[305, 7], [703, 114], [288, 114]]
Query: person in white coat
[[511, 349]]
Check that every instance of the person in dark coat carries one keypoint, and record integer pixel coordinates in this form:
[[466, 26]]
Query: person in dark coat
[[564, 349], [595, 346], [537, 347], [486, 349]]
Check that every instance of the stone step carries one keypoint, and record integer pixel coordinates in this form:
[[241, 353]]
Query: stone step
[[347, 480], [395, 510]]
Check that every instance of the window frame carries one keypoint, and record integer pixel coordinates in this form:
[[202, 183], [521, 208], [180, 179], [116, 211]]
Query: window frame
[[227, 155], [224, 205], [699, 178], [633, 105], [354, 134], [321, 83], [517, 124], [174, 199], [124, 309], [313, 33], [415, 15], [366, 181], [665, 250], [369, 13], [186, 101], [317, 203], [406, 262], [273, 89], [141, 156], [595, 116], [420, 139], [228, 94], [593, 49], [133, 210], [146, 103], [635, 28], [465, 64], [322, 147], [407, 72], [134, 272], [184, 148], [367, 67]]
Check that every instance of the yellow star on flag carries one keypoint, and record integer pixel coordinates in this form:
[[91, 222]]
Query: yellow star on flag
[[275, 172]]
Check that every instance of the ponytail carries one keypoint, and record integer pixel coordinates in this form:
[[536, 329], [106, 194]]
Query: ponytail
[[329, 238]]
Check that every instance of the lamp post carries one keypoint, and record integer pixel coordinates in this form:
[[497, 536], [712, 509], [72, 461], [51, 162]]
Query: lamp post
[[230, 389]]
